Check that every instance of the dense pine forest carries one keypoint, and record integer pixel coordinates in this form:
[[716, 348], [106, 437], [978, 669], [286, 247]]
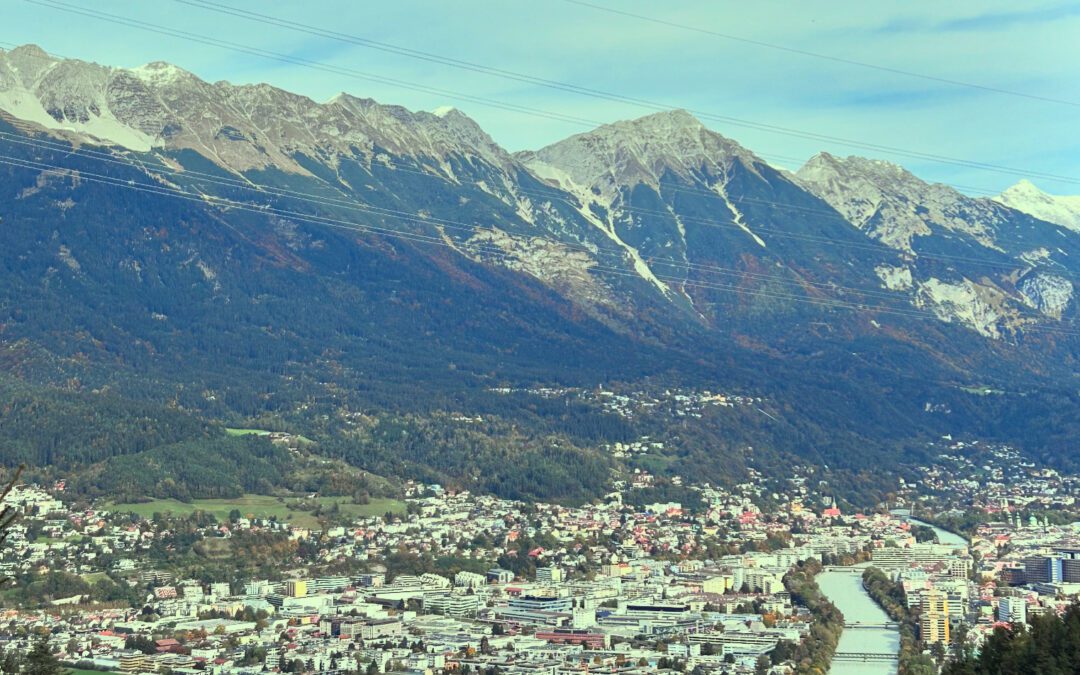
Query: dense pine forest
[[1049, 645]]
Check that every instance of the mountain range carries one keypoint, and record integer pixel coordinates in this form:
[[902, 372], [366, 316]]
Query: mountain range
[[241, 253]]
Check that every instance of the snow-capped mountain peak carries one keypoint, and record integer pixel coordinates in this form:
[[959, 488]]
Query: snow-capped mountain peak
[[1026, 197]]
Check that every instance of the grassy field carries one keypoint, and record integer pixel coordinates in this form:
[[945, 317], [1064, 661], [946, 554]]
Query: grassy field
[[261, 506], [246, 432], [80, 671], [71, 539], [94, 577], [235, 431]]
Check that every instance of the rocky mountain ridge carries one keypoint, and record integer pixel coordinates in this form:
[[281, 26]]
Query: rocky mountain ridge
[[659, 210]]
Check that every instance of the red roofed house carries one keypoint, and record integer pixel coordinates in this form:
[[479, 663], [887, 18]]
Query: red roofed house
[[168, 645]]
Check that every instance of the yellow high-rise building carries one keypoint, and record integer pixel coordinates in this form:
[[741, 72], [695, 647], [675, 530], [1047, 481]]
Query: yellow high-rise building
[[934, 622], [296, 588]]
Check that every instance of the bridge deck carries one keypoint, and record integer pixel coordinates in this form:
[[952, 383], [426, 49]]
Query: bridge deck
[[865, 656], [881, 626]]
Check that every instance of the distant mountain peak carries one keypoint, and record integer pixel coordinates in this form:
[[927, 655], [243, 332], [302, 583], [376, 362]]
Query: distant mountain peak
[[894, 205], [1025, 196], [1024, 186], [25, 63], [637, 151], [160, 72], [30, 51], [878, 171], [243, 127], [666, 120]]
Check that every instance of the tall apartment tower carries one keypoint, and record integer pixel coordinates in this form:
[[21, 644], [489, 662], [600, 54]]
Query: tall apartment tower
[[1012, 609], [934, 622]]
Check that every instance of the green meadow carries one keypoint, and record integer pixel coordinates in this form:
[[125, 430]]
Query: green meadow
[[261, 506]]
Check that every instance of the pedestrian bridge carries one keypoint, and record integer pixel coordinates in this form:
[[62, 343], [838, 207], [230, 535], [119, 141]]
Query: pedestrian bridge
[[881, 625], [863, 657], [847, 569]]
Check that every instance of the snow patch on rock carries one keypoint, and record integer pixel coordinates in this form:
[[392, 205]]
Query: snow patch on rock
[[894, 278], [982, 308], [1048, 293], [736, 216]]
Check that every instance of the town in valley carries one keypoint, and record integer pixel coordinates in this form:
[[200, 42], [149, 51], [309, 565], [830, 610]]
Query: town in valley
[[452, 581]]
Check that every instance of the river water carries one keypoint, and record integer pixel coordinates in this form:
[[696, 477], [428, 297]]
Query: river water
[[943, 536], [846, 591]]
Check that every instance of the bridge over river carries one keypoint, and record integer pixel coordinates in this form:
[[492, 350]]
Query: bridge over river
[[845, 569], [872, 625], [865, 657]]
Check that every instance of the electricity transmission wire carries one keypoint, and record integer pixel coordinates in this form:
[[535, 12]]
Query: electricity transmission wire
[[352, 204], [499, 254], [578, 121], [818, 55], [532, 111], [686, 265], [446, 224]]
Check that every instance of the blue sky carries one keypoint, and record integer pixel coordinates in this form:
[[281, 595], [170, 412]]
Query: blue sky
[[1031, 47]]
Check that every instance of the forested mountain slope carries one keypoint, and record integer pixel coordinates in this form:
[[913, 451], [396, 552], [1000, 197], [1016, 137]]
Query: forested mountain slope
[[178, 256]]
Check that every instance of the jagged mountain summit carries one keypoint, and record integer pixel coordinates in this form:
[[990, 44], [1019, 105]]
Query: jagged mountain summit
[[644, 151], [1026, 197], [971, 260], [896, 207], [243, 127]]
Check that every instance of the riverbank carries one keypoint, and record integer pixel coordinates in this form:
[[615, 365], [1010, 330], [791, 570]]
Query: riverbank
[[816, 650], [889, 595], [944, 536]]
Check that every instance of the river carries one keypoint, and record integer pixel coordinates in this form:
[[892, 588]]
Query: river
[[944, 536], [845, 590]]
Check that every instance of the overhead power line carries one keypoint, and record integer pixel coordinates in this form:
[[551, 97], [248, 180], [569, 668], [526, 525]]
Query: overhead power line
[[352, 204], [824, 57], [495, 253], [521, 77], [577, 121], [577, 89], [619, 254], [308, 63]]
